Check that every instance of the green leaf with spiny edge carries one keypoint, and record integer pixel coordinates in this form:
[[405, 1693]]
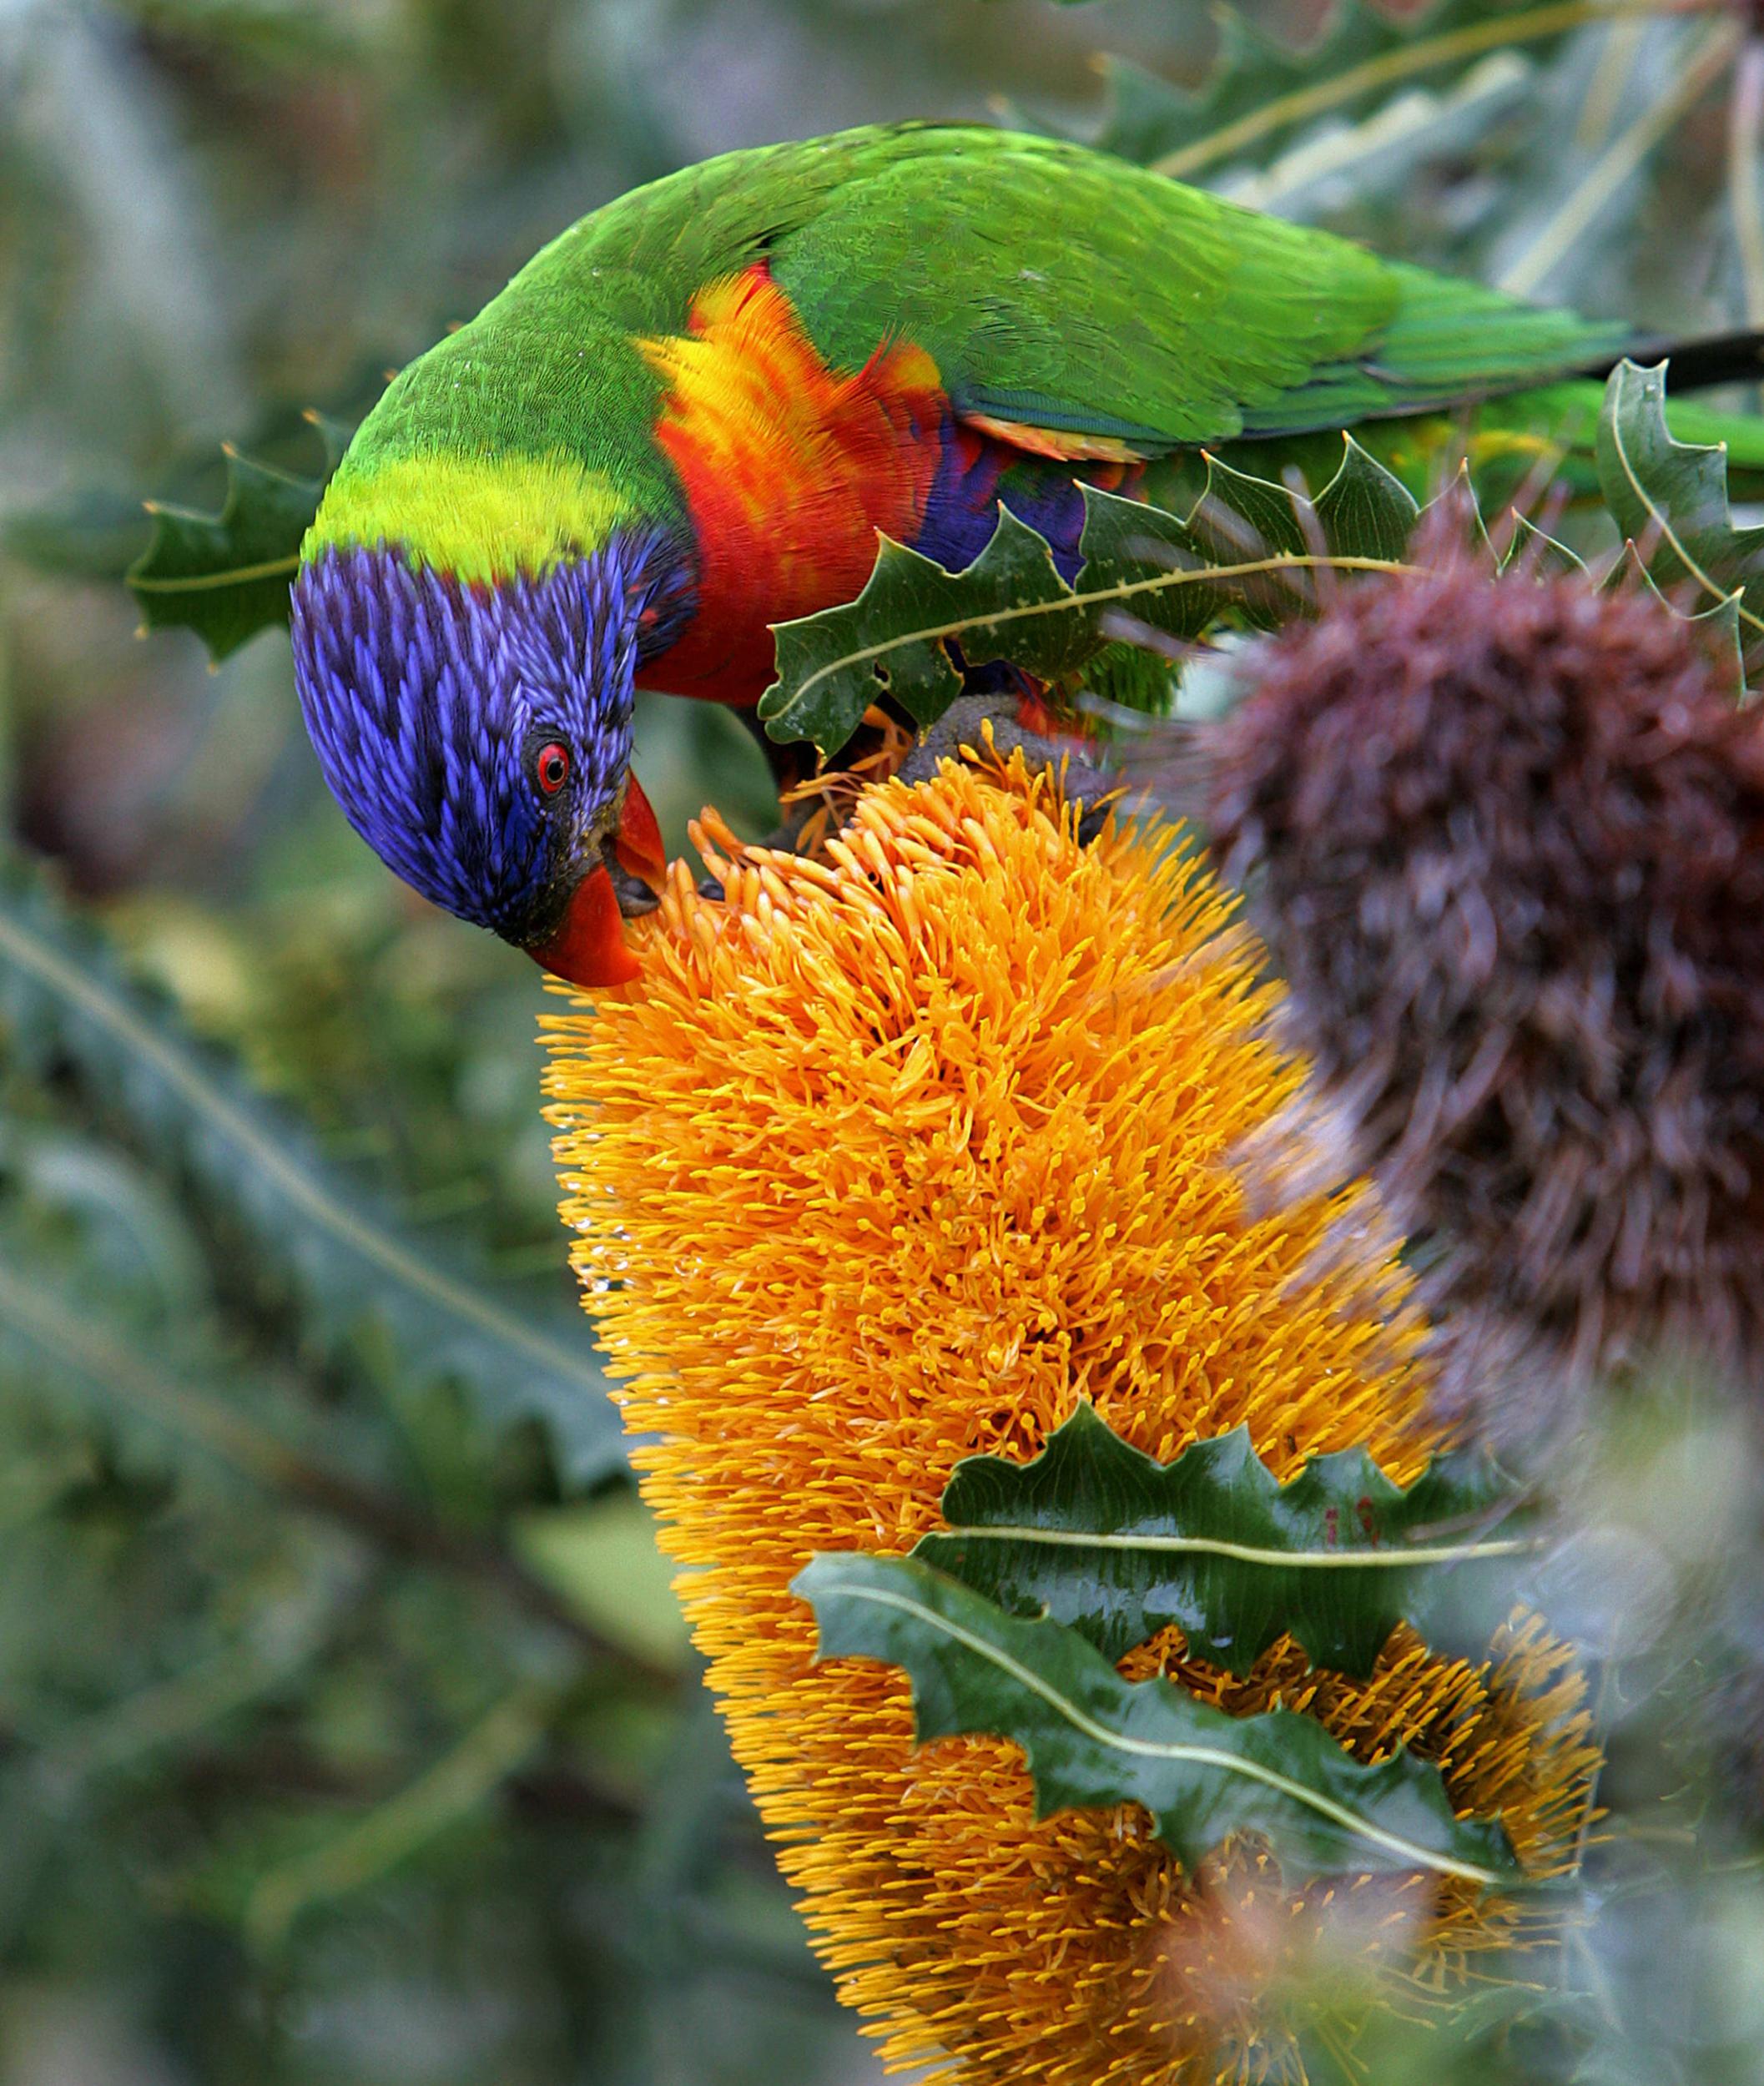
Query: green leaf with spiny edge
[[1119, 1546], [226, 576], [1092, 1740], [1367, 506], [351, 1261], [1453, 518], [1242, 515], [1248, 549], [831, 666], [1535, 552], [1670, 498], [1718, 627]]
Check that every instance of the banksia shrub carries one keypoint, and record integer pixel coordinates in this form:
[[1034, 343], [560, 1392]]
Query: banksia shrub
[[1505, 839], [889, 1161]]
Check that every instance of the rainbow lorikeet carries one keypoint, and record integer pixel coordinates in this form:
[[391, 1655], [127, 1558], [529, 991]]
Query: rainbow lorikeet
[[689, 416]]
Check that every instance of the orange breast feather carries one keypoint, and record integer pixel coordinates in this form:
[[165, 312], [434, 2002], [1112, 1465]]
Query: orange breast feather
[[789, 467]]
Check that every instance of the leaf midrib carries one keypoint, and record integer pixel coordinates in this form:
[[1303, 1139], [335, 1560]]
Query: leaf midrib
[[1123, 590], [1197, 1756], [1244, 1553], [200, 583], [1668, 534]]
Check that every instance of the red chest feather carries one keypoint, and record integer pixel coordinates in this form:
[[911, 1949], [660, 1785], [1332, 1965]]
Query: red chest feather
[[790, 469]]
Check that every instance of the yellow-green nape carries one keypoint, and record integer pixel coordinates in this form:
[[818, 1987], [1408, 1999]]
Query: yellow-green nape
[[477, 517]]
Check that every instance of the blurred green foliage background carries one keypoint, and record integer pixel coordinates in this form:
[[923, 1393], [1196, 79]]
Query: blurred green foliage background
[[347, 1730]]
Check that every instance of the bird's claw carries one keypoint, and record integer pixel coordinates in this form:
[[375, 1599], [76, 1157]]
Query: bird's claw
[[1089, 787]]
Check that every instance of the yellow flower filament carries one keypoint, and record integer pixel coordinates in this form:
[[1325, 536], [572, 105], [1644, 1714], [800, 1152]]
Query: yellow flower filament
[[888, 1161]]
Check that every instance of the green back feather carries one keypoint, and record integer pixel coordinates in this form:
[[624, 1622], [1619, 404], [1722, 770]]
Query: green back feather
[[1051, 284]]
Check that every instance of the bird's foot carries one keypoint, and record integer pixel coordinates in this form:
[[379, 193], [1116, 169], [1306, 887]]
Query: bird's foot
[[977, 727]]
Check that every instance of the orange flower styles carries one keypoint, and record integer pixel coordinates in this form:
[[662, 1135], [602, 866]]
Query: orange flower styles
[[888, 1161]]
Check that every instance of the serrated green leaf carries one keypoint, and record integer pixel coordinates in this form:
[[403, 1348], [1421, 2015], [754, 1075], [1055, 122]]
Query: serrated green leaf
[[1719, 626], [1454, 515], [1117, 1545], [1724, 629], [1264, 541], [1247, 548], [1092, 1740], [1670, 498], [1240, 516], [831, 667], [1535, 550], [350, 1257], [226, 576], [1366, 506]]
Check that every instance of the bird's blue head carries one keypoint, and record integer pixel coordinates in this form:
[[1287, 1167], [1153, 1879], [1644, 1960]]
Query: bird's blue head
[[478, 737]]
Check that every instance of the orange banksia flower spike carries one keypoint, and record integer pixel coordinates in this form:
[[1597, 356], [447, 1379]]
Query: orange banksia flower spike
[[889, 1160]]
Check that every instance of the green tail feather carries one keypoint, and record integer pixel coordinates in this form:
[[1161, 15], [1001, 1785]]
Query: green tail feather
[[1548, 432], [1448, 340]]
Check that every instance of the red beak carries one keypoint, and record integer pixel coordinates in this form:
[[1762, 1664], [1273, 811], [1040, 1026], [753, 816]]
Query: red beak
[[637, 843], [589, 948]]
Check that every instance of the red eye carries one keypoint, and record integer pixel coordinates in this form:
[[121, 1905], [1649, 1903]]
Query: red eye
[[552, 768]]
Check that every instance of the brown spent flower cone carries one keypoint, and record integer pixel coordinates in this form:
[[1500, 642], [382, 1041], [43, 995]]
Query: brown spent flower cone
[[887, 1162], [1505, 839]]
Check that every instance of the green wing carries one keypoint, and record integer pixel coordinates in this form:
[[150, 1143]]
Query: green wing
[[1055, 288], [1064, 289]]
